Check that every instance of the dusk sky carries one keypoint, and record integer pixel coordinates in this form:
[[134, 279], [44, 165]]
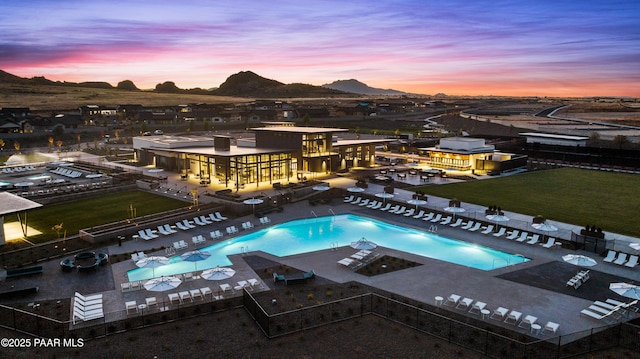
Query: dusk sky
[[536, 47]]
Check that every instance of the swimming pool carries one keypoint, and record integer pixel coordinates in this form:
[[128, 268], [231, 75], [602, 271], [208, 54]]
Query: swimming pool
[[308, 235]]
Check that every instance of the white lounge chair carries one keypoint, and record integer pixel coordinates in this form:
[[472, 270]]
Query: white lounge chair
[[131, 305], [348, 199], [437, 218], [364, 202], [151, 301], [401, 210], [162, 230], [611, 255], [187, 224], [150, 233], [196, 293], [409, 212], [477, 307], [385, 208], [468, 225], [205, 220], [220, 217], [457, 223], [446, 221], [513, 235], [182, 226], [376, 206], [395, 209], [622, 257], [428, 217], [372, 204], [183, 244], [534, 239], [475, 227], [513, 317], [212, 217], [550, 327], [356, 201], [464, 303], [419, 215], [488, 230], [198, 221], [633, 261], [206, 291], [453, 299], [550, 243], [499, 313], [528, 321], [174, 297], [523, 237], [501, 232], [185, 296]]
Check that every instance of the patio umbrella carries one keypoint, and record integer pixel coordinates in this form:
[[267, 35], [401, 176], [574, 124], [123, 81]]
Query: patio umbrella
[[322, 187], [195, 256], [635, 246], [253, 202], [363, 243], [545, 227], [579, 260], [355, 189], [455, 210], [626, 290], [162, 284], [417, 202], [498, 218], [218, 273], [152, 262], [23, 184], [384, 196]]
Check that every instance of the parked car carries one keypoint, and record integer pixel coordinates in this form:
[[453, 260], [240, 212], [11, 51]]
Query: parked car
[[158, 132]]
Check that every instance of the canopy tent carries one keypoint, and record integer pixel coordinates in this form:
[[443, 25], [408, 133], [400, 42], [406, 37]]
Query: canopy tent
[[10, 204]]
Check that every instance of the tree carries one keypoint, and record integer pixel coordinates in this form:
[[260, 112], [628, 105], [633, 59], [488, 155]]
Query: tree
[[2, 144], [620, 141], [16, 145], [51, 141], [306, 119]]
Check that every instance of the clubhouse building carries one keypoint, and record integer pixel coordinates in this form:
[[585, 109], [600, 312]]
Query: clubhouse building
[[279, 153]]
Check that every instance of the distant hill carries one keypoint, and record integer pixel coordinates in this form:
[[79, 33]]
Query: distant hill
[[355, 86], [249, 84]]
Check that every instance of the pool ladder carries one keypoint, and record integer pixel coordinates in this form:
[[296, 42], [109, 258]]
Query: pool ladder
[[433, 228], [334, 246], [332, 212], [244, 250]]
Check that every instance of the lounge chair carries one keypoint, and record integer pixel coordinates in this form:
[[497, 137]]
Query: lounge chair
[[464, 303], [401, 210], [134, 257], [143, 235], [205, 291], [394, 209], [550, 243], [633, 261], [457, 223], [475, 227], [220, 217], [385, 208], [225, 287], [150, 233], [376, 206], [349, 262], [622, 257], [523, 237], [453, 299], [176, 246], [373, 204], [195, 293], [174, 297], [183, 244], [125, 287], [132, 305], [428, 217], [162, 230], [446, 220], [198, 221], [278, 278], [488, 230], [409, 212], [528, 320], [213, 218], [364, 202], [205, 220], [468, 225], [356, 201], [477, 307], [437, 218], [513, 317], [513, 235], [501, 232], [184, 296], [419, 215], [151, 301], [499, 313], [610, 256], [182, 226], [187, 224], [550, 327], [348, 199], [534, 239], [254, 283]]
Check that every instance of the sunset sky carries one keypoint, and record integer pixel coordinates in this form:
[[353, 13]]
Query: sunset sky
[[459, 47]]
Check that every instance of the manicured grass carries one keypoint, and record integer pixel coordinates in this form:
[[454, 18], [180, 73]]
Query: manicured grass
[[95, 211], [581, 197]]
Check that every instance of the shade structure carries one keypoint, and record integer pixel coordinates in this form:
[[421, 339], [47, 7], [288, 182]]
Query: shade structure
[[322, 187], [384, 196], [363, 243], [162, 284], [253, 201], [195, 256], [545, 227], [417, 202], [498, 218], [152, 262], [626, 290], [355, 189], [218, 273], [579, 260], [455, 209], [635, 246]]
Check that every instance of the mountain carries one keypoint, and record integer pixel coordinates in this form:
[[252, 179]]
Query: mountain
[[249, 84], [355, 86]]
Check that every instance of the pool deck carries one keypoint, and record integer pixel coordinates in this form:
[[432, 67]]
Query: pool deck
[[507, 287]]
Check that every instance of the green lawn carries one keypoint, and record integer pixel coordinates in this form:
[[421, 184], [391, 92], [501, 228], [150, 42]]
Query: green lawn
[[95, 211], [581, 197]]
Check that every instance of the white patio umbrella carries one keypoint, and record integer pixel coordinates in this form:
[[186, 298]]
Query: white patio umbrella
[[626, 290], [152, 262], [545, 227], [321, 187], [195, 256], [498, 218], [363, 243], [417, 202], [384, 196], [253, 202], [162, 284], [355, 189], [218, 273], [455, 210], [579, 260], [635, 246]]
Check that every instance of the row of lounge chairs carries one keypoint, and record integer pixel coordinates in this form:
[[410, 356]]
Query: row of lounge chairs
[[503, 314], [358, 259], [26, 168], [133, 305], [620, 258], [579, 279], [610, 309], [67, 172], [138, 256], [87, 308]]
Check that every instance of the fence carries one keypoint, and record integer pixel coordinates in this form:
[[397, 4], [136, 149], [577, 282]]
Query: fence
[[487, 342]]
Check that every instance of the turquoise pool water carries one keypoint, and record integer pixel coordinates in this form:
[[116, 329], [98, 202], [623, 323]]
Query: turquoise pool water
[[308, 235]]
